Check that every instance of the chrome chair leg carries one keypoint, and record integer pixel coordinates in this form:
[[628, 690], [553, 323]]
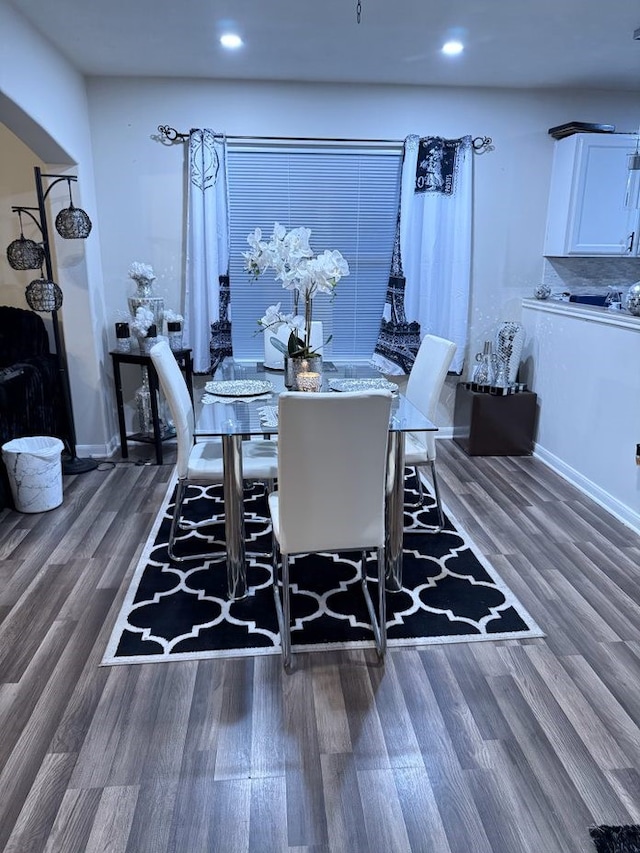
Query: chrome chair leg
[[181, 490], [379, 620], [286, 612], [282, 603], [177, 526], [436, 494], [431, 528]]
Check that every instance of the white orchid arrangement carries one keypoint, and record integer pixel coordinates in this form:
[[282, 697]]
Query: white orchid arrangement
[[143, 321], [141, 272], [290, 256]]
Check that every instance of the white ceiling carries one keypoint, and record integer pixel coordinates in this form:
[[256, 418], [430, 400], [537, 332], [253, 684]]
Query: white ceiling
[[584, 44]]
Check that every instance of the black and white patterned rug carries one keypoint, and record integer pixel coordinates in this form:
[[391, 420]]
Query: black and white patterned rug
[[180, 612], [616, 839]]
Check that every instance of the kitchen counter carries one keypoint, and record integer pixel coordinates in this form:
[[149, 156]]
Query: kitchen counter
[[583, 363], [591, 313]]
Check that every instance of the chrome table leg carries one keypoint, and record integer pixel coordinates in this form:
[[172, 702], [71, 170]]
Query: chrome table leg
[[234, 516], [394, 510]]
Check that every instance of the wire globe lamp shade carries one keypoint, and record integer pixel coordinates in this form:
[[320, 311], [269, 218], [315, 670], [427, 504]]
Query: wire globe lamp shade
[[43, 295], [25, 254], [73, 223]]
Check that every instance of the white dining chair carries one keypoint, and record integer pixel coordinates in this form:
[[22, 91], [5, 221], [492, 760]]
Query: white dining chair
[[423, 391], [331, 490], [200, 462]]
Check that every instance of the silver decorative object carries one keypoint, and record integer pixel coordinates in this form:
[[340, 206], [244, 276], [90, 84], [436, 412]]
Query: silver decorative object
[[239, 387], [143, 405], [484, 369], [542, 291], [144, 296], [632, 301], [508, 350], [362, 385]]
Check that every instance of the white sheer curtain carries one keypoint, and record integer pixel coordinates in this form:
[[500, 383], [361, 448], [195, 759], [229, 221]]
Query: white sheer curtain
[[207, 325], [430, 277]]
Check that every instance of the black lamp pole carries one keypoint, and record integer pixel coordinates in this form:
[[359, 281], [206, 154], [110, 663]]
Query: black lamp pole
[[71, 464]]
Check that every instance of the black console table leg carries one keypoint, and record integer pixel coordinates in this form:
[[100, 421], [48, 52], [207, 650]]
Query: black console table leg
[[155, 415], [124, 450]]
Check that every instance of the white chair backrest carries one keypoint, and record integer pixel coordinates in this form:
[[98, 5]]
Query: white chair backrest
[[332, 456], [175, 390], [428, 374]]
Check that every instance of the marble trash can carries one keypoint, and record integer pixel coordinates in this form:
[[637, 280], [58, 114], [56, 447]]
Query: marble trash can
[[34, 468]]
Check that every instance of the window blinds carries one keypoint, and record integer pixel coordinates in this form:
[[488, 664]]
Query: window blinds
[[349, 200]]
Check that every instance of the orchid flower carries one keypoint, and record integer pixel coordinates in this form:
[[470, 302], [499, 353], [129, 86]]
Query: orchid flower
[[290, 256]]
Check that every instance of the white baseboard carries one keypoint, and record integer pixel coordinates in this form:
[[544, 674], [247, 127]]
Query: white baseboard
[[621, 511], [99, 451], [106, 451]]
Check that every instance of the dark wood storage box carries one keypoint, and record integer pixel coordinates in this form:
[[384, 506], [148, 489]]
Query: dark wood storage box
[[489, 425]]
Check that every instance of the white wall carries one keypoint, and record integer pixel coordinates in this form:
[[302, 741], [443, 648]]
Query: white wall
[[43, 103], [16, 188], [141, 187]]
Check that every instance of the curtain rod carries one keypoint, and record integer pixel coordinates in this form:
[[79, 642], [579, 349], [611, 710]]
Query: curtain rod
[[479, 143]]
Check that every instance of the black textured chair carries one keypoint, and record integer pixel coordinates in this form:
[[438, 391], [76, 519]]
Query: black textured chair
[[30, 388]]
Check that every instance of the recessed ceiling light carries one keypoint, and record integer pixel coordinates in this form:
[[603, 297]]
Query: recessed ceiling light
[[452, 48], [231, 41]]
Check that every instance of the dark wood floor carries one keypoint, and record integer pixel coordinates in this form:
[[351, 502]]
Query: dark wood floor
[[487, 747]]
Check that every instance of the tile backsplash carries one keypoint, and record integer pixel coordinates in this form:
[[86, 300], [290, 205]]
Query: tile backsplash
[[589, 275]]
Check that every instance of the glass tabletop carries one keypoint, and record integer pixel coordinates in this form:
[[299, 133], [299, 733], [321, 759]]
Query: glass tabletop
[[243, 415]]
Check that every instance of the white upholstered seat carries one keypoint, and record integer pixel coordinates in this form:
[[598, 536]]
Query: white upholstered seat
[[201, 462], [423, 391], [331, 488]]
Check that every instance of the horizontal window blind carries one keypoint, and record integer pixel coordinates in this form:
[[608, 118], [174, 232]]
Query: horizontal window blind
[[349, 200]]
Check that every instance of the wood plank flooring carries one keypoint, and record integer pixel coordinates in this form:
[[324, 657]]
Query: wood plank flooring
[[487, 747]]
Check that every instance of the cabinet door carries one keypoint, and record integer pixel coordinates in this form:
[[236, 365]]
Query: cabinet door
[[587, 213]]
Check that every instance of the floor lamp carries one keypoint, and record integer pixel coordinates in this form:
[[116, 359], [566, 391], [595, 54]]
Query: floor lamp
[[44, 295]]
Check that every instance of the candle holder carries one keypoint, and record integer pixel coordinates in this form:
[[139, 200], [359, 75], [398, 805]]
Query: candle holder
[[123, 337], [309, 381], [296, 365], [174, 332]]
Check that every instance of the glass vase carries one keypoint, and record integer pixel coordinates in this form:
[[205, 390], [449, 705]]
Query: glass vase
[[144, 297]]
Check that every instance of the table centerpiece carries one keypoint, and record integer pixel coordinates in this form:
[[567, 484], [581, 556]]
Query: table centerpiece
[[305, 275]]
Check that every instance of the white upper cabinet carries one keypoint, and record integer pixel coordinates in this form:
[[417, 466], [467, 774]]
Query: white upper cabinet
[[587, 213]]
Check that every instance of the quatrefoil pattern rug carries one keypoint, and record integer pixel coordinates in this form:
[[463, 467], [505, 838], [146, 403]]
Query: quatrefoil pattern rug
[[180, 611]]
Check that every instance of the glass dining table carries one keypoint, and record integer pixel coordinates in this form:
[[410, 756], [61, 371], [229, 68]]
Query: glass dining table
[[248, 408]]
